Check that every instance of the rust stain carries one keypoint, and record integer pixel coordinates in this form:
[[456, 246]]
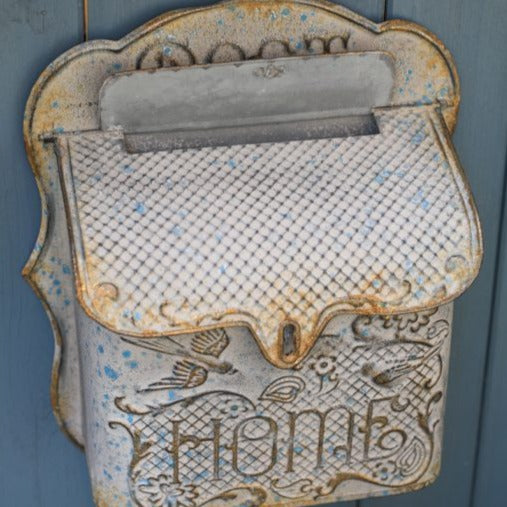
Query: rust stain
[[109, 497]]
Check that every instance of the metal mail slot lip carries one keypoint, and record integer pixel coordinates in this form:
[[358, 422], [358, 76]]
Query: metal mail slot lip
[[253, 92], [170, 242]]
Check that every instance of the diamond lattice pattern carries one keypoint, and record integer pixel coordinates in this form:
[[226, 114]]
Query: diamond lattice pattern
[[268, 232]]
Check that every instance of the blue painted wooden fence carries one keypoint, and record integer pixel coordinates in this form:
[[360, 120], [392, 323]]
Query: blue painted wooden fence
[[39, 467]]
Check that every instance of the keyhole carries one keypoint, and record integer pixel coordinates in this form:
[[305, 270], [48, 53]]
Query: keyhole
[[289, 340]]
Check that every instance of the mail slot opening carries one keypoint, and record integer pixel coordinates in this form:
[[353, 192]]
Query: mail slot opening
[[290, 340]]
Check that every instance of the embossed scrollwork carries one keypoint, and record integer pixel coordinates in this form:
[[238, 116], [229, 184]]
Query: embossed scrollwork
[[176, 54], [170, 54]]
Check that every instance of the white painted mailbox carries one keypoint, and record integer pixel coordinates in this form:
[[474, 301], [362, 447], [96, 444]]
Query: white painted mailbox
[[254, 228]]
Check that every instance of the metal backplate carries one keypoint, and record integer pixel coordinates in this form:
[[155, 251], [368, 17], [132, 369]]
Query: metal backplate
[[66, 98]]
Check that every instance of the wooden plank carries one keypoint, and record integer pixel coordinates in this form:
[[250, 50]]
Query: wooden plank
[[372, 9], [475, 34], [490, 486], [40, 466], [115, 18]]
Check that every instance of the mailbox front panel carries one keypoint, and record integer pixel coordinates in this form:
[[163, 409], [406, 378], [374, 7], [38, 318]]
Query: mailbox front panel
[[204, 419]]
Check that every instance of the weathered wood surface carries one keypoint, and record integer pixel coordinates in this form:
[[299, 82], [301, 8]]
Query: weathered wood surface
[[490, 465], [41, 468]]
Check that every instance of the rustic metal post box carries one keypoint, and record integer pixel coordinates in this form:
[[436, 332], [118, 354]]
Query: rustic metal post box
[[254, 226]]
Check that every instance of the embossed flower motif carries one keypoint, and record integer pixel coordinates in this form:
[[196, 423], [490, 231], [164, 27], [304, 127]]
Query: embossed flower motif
[[325, 367], [162, 492], [232, 407]]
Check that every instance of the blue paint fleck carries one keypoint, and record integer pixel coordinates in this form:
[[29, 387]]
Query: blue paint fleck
[[126, 353], [304, 17], [55, 104], [418, 197], [383, 175], [443, 91], [136, 315], [133, 365], [167, 50], [112, 374], [232, 163], [140, 208], [100, 348], [176, 230], [66, 269], [117, 66], [286, 12]]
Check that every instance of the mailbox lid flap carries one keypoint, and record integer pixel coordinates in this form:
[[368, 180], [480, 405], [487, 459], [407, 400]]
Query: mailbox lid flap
[[272, 234]]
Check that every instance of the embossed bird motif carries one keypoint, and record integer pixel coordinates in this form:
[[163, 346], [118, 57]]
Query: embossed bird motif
[[391, 359], [401, 366], [196, 362], [185, 375]]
